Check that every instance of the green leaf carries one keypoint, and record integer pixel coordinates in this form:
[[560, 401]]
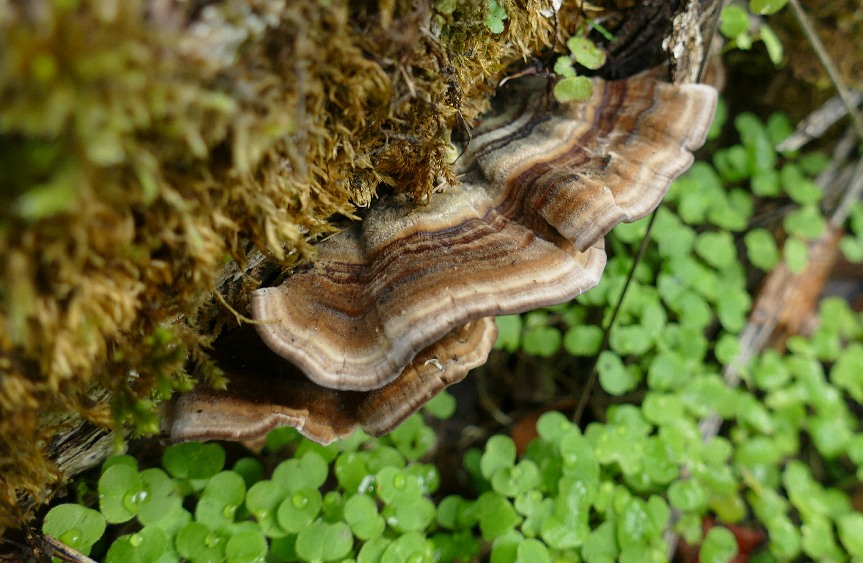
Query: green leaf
[[585, 52], [246, 546], [408, 547], [413, 438], [410, 517], [563, 67], [74, 525], [616, 378], [734, 21], [717, 249], [121, 490], [573, 89], [761, 154], [766, 183], [250, 469], [630, 340], [396, 486], [361, 514], [719, 119], [193, 460], [772, 43], [542, 341], [667, 371], [765, 7], [661, 408], [310, 471], [532, 551], [263, 500], [508, 333], [494, 17], [799, 188], [499, 453], [583, 340], [299, 509], [687, 495], [796, 255], [513, 480], [141, 547], [806, 222], [761, 249], [850, 528], [496, 515], [847, 372], [719, 546], [442, 406], [779, 126], [321, 541], [222, 496], [852, 248]]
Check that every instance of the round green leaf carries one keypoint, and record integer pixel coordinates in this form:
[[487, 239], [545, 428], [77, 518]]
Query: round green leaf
[[442, 406], [508, 332], [361, 514], [583, 340], [585, 52], [310, 471], [299, 509], [542, 341], [197, 542], [247, 546], [395, 486], [193, 460], [573, 89], [499, 453], [511, 481], [121, 491], [616, 378], [321, 541], [74, 525], [142, 547], [719, 546]]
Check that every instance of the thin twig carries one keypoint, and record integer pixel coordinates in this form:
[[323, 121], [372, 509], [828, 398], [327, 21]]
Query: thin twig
[[819, 121], [827, 62], [852, 195]]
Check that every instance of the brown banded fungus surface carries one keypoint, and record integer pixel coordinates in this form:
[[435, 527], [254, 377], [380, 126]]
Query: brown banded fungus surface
[[266, 391], [541, 184]]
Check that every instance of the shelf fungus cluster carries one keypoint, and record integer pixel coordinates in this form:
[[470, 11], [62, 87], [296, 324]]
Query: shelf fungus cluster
[[396, 307]]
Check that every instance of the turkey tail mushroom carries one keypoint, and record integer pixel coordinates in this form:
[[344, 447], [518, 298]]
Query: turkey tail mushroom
[[265, 392], [395, 308], [540, 188]]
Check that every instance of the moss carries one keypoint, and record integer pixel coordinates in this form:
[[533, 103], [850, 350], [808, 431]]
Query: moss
[[144, 142]]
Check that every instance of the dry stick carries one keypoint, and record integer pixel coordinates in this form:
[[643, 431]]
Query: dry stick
[[829, 66], [817, 122]]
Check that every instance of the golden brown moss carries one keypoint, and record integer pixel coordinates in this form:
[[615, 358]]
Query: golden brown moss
[[144, 144]]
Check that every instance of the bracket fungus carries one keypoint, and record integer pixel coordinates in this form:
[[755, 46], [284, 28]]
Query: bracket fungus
[[541, 184], [266, 392]]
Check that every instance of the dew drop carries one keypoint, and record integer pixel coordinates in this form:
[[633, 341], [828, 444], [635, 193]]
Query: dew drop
[[229, 511], [136, 540], [415, 558], [132, 500], [71, 537], [212, 540], [399, 481], [299, 500]]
